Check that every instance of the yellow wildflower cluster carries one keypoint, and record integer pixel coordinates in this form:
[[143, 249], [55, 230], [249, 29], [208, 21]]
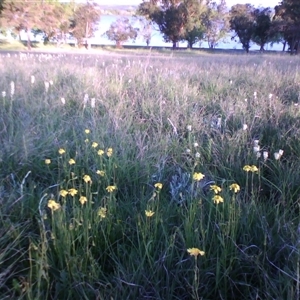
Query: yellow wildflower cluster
[[218, 199], [215, 188], [87, 179], [252, 168], [234, 187], [53, 205], [195, 252], [149, 213], [198, 176], [102, 212], [109, 152], [111, 188], [158, 185]]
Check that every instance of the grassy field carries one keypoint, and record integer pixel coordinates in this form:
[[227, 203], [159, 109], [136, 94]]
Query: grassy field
[[149, 175]]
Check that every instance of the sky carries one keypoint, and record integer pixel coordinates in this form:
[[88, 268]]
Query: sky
[[256, 3]]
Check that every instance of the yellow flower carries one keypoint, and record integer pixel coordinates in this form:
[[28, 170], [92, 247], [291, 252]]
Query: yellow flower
[[149, 213], [218, 199], [198, 176], [72, 192], [102, 212], [47, 161], [111, 188], [109, 152], [63, 193], [95, 145], [101, 173], [53, 205], [87, 131], [100, 152], [87, 178], [195, 252], [254, 169], [234, 187], [86, 141], [82, 199], [247, 168], [61, 151], [215, 188], [158, 185], [72, 161]]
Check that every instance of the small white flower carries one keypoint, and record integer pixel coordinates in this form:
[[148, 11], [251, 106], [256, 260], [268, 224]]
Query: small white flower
[[270, 96], [51, 82], [219, 122], [246, 100], [196, 144], [280, 152], [230, 81], [46, 86], [129, 80], [12, 88], [255, 95], [258, 154], [255, 142], [256, 149], [276, 155], [3, 94], [189, 127], [93, 102], [63, 100], [188, 151], [32, 79], [245, 126], [265, 155], [197, 155], [85, 100]]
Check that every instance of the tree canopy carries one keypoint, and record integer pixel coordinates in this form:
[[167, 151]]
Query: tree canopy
[[121, 31]]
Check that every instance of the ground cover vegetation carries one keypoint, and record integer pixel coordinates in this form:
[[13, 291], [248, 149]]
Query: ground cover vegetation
[[193, 21], [152, 175]]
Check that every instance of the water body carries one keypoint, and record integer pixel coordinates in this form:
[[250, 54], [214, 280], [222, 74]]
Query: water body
[[157, 39]]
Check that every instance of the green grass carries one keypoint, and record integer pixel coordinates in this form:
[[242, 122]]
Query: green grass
[[105, 247]]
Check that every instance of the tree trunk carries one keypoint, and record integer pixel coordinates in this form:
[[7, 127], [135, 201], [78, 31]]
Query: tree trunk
[[284, 45], [28, 39], [262, 48], [174, 45], [118, 44]]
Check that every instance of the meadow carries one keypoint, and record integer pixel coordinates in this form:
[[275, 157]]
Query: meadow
[[149, 175]]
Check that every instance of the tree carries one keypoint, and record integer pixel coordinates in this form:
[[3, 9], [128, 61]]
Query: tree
[[216, 22], [84, 22], [21, 15], [287, 15], [54, 20], [194, 28], [121, 31], [263, 32], [145, 28], [173, 17], [242, 21]]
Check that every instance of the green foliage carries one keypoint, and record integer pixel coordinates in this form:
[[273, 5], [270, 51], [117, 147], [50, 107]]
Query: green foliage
[[176, 20], [242, 21], [122, 236], [84, 22], [262, 31], [216, 22], [121, 31], [288, 23]]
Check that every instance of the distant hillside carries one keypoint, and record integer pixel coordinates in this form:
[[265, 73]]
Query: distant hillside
[[124, 10]]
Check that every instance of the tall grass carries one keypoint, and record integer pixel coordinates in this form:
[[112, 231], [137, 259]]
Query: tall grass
[[84, 145]]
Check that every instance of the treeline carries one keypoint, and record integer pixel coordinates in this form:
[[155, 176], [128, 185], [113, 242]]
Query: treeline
[[192, 21]]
